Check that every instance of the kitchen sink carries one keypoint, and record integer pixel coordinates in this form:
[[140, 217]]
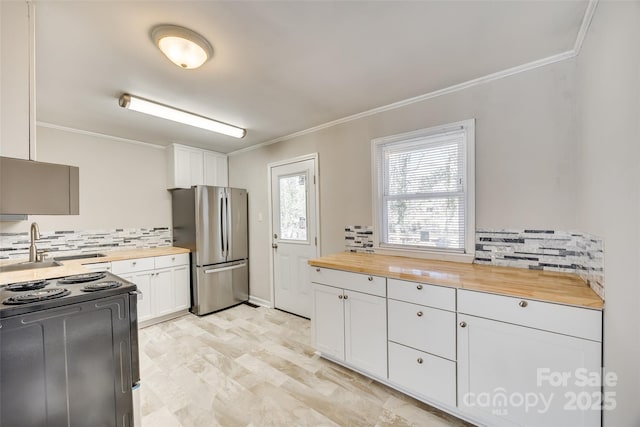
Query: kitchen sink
[[28, 266], [81, 256]]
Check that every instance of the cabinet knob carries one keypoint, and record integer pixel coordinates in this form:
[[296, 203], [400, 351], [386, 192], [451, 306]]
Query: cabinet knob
[[173, 258], [419, 287], [370, 279], [523, 304], [420, 360], [346, 297], [463, 324], [419, 314], [318, 270], [134, 263], [340, 297]]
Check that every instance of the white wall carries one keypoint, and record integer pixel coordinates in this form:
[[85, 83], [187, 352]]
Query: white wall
[[525, 167], [608, 89], [122, 185]]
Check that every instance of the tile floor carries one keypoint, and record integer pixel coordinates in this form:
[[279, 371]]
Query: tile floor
[[255, 367]]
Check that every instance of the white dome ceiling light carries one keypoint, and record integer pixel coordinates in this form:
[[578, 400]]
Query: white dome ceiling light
[[184, 47]]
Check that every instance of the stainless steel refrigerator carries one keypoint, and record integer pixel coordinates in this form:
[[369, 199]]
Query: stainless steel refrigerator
[[212, 223]]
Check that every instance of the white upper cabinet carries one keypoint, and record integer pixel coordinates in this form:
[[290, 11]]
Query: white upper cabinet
[[215, 169], [15, 79], [190, 166]]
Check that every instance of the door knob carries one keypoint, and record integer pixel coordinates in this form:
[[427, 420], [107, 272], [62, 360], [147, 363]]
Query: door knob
[[274, 245]]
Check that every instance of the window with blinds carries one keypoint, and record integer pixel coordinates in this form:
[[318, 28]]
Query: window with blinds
[[422, 198]]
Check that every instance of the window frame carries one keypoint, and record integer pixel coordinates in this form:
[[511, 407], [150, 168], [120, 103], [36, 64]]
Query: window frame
[[467, 255]]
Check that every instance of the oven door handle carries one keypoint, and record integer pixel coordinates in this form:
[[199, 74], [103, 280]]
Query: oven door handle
[[136, 292]]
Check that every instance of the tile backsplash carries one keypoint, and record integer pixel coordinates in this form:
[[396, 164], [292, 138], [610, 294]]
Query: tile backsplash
[[550, 250], [358, 238], [65, 242]]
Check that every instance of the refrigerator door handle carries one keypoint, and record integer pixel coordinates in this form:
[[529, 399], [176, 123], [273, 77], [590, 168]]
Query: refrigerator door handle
[[222, 214], [218, 270], [228, 225]]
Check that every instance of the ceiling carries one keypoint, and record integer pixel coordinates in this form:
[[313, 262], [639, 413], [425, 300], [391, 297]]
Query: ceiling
[[278, 67]]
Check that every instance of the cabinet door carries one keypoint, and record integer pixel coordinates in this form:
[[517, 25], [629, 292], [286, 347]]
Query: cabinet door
[[187, 167], [15, 79], [215, 169], [365, 326], [163, 291], [502, 366], [327, 320], [145, 298], [182, 287]]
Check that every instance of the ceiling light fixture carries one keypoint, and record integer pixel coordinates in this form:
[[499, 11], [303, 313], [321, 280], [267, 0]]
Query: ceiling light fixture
[[154, 109], [184, 47]]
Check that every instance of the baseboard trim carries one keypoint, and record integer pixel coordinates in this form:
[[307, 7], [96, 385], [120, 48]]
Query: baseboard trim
[[261, 302]]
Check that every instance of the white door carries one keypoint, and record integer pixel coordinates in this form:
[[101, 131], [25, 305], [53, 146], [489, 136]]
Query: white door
[[294, 239]]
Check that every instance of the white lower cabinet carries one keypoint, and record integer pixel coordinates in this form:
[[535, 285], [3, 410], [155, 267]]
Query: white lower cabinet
[[515, 375], [423, 374], [143, 282], [491, 359], [351, 327], [163, 283]]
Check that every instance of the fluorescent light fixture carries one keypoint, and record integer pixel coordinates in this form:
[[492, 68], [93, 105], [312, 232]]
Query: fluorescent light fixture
[[184, 47], [153, 108]]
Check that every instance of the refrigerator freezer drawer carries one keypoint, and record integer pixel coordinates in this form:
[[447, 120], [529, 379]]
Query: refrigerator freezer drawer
[[221, 286]]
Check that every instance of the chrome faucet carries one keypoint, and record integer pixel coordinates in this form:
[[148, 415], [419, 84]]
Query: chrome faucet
[[35, 235]]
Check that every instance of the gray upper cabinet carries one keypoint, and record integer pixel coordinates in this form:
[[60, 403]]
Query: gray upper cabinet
[[38, 188]]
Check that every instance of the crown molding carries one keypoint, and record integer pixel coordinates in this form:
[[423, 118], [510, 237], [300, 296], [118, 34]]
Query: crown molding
[[572, 53], [584, 27], [99, 135]]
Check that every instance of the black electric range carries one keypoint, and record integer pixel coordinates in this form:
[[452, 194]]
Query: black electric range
[[28, 297], [69, 353]]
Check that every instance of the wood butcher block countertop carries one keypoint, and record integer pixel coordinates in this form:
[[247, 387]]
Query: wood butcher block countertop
[[76, 266], [562, 288]]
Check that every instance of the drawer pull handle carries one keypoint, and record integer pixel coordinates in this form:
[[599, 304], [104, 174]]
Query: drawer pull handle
[[340, 297], [370, 279], [420, 360], [463, 324], [419, 287], [420, 314], [523, 304], [318, 270]]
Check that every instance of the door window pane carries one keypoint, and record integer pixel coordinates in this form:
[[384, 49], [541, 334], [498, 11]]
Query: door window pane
[[293, 207]]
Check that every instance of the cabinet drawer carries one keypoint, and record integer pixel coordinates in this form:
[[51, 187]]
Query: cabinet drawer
[[423, 294], [424, 328], [132, 265], [167, 261], [423, 374], [563, 319], [373, 285]]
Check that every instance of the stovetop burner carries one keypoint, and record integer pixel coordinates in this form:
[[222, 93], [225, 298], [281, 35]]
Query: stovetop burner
[[36, 296], [92, 287], [82, 278], [27, 286]]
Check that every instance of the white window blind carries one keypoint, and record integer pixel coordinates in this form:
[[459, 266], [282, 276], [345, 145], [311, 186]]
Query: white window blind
[[422, 182]]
